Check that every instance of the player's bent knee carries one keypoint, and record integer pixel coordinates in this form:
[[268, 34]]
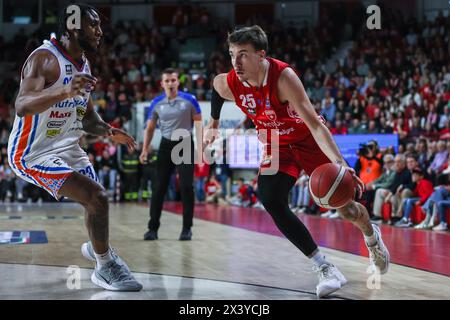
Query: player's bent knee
[[272, 203], [267, 194], [99, 201]]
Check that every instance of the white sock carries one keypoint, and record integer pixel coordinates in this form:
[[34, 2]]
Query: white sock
[[319, 259], [103, 258], [371, 240]]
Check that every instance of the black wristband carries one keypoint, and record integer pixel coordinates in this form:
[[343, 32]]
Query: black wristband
[[216, 104]]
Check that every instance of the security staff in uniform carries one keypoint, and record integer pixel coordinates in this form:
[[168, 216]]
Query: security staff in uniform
[[369, 165], [130, 171], [173, 110]]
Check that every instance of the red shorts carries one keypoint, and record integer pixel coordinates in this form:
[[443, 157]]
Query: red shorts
[[293, 158]]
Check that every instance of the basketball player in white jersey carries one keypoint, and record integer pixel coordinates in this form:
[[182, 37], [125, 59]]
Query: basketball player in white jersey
[[54, 109]]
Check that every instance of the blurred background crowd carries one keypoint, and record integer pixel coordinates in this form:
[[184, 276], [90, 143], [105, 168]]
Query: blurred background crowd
[[393, 80]]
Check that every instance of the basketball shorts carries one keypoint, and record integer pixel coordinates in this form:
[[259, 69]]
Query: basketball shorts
[[50, 171], [293, 158]]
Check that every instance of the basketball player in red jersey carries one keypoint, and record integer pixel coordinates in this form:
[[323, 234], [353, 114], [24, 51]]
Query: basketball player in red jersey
[[270, 93]]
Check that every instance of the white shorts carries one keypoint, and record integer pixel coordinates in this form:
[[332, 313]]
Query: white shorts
[[50, 171]]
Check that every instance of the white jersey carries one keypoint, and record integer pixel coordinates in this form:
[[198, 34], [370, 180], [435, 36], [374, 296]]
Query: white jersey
[[58, 129]]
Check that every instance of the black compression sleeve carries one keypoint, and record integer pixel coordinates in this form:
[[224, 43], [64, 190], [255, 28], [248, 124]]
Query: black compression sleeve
[[216, 104]]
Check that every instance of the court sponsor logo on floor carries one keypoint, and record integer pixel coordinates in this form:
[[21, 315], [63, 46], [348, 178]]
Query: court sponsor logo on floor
[[22, 237]]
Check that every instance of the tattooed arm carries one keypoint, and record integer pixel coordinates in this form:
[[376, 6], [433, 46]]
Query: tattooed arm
[[93, 124]]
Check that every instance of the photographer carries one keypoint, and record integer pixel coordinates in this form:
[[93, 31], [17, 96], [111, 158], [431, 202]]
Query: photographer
[[369, 165]]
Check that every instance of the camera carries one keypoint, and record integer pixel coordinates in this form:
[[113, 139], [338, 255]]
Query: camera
[[365, 148]]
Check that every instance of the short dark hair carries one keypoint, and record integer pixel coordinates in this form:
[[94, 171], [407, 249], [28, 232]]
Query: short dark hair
[[62, 25], [253, 35], [424, 141], [169, 71], [412, 155]]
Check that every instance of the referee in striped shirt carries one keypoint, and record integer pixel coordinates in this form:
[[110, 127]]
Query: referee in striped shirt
[[172, 110]]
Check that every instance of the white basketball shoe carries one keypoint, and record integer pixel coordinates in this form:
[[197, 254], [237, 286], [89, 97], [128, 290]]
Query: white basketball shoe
[[378, 253], [330, 279], [114, 275], [88, 252]]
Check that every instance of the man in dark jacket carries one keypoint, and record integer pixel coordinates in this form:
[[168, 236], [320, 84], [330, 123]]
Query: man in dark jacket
[[393, 193]]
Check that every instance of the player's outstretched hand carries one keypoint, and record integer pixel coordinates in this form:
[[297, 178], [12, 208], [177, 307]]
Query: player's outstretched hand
[[120, 136], [211, 133]]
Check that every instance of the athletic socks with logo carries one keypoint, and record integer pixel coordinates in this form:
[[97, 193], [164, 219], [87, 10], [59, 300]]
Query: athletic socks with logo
[[319, 259], [103, 258]]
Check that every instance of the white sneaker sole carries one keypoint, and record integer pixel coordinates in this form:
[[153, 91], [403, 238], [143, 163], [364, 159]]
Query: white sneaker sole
[[342, 279], [332, 286], [104, 285], [101, 283], [328, 288]]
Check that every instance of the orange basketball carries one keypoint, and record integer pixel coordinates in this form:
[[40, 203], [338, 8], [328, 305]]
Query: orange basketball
[[331, 186]]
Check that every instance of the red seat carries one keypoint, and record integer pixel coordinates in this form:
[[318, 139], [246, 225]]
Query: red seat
[[386, 211], [321, 210], [448, 217], [417, 215]]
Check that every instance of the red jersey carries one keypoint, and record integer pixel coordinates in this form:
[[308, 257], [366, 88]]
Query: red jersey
[[424, 189], [266, 111], [201, 170], [243, 191], [211, 188]]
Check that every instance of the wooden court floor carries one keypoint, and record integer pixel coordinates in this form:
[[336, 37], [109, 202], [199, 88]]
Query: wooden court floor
[[221, 262]]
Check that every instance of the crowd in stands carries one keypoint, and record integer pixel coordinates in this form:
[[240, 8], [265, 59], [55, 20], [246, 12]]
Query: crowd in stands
[[412, 179], [393, 80]]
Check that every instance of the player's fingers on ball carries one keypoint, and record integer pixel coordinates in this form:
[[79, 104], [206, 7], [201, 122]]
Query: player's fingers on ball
[[363, 186]]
